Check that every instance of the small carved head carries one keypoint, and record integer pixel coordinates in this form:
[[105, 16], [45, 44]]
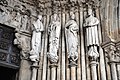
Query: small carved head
[[72, 15], [90, 11], [40, 17], [55, 17]]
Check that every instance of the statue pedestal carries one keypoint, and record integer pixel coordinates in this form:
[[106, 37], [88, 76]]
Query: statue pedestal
[[118, 69], [113, 70], [73, 73]]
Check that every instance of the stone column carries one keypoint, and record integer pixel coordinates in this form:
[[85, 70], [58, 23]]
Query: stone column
[[110, 50], [34, 70], [113, 70], [115, 18], [53, 71], [119, 13], [83, 65], [24, 71], [118, 69], [93, 65], [118, 58], [73, 71]]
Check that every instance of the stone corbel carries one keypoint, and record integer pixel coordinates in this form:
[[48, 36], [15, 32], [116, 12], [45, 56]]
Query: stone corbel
[[22, 42]]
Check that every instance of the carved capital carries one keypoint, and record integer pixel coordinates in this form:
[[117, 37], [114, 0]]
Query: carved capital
[[112, 52]]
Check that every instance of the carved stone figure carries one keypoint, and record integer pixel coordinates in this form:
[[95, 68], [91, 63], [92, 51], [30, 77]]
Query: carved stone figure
[[16, 21], [54, 33], [4, 15], [72, 39], [21, 42], [92, 39], [25, 19], [36, 39], [24, 22]]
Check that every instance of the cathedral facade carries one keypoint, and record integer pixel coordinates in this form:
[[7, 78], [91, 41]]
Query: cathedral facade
[[60, 39]]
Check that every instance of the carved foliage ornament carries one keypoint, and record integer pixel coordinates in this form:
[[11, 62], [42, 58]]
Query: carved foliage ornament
[[112, 53]]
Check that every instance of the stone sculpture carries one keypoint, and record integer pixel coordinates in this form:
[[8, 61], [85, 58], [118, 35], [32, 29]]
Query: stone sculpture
[[38, 28], [72, 39], [16, 21], [21, 42], [92, 39], [24, 22], [54, 32], [4, 14]]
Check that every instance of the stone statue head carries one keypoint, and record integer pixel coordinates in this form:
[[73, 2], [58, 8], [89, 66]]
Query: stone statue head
[[40, 17], [72, 15], [55, 17], [90, 11]]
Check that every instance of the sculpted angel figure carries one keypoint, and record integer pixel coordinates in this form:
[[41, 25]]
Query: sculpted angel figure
[[92, 40], [72, 39], [38, 28], [54, 33]]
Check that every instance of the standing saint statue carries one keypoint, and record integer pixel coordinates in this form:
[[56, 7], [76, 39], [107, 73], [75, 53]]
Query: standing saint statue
[[24, 22], [92, 39], [54, 33], [36, 39], [72, 39]]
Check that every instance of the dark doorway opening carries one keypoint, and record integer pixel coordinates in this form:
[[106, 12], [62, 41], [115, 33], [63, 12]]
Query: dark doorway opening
[[8, 73]]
